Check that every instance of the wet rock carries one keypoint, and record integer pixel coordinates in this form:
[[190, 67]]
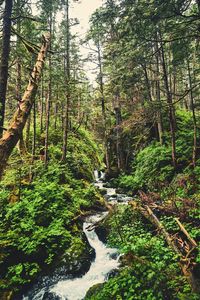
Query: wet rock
[[120, 197], [103, 191], [98, 208], [123, 198], [77, 261], [119, 191], [112, 273], [114, 255], [102, 233], [106, 185], [107, 197], [50, 296], [112, 197]]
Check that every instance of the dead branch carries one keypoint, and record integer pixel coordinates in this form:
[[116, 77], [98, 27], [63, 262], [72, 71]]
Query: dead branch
[[192, 241]]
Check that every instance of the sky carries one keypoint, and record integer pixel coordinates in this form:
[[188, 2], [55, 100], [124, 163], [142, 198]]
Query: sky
[[83, 10]]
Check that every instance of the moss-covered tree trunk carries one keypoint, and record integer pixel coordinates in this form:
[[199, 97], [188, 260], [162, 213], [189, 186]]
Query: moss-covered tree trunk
[[14, 131]]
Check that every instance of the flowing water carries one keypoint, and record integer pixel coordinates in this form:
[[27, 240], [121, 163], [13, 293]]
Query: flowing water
[[106, 260]]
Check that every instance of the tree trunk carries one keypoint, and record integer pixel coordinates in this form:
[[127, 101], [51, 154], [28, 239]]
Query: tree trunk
[[41, 105], [28, 127], [159, 113], [67, 77], [103, 107], [56, 108], [172, 120], [22, 146], [15, 129], [21, 143], [198, 5], [5, 59], [194, 152], [148, 86], [34, 131], [119, 148], [48, 98]]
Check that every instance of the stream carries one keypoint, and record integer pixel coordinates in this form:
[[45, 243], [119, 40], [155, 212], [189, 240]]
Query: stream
[[106, 260]]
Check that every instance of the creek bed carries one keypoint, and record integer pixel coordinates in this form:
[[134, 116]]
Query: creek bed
[[106, 260]]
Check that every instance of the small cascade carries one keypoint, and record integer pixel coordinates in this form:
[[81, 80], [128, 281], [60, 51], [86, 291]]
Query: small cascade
[[96, 175], [106, 260], [111, 194]]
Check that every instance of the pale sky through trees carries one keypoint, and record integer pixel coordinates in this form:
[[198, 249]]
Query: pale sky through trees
[[82, 10]]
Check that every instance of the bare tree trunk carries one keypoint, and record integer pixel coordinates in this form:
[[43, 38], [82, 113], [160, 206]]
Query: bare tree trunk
[[55, 114], [118, 118], [22, 147], [21, 143], [41, 105], [5, 59], [172, 120], [34, 131], [48, 98], [159, 114], [194, 152], [103, 108], [144, 66], [198, 4], [67, 75], [28, 126], [56, 109], [14, 131]]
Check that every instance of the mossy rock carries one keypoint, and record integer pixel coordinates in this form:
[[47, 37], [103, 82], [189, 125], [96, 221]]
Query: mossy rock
[[94, 290], [77, 259]]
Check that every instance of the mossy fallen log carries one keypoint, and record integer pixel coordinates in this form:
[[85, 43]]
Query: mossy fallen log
[[187, 262]]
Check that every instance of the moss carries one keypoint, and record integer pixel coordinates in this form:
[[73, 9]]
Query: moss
[[94, 290], [40, 230]]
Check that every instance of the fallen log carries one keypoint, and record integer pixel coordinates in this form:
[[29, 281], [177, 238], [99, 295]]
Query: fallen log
[[187, 262], [160, 226], [15, 129]]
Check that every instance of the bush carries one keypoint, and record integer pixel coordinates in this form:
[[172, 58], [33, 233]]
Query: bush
[[37, 225], [151, 169], [151, 270]]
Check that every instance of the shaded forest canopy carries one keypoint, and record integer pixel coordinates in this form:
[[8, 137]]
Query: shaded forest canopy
[[139, 121]]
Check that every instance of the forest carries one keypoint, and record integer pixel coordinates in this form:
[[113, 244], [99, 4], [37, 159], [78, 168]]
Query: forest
[[100, 150]]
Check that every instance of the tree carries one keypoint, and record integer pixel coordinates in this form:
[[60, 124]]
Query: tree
[[67, 83], [6, 33]]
